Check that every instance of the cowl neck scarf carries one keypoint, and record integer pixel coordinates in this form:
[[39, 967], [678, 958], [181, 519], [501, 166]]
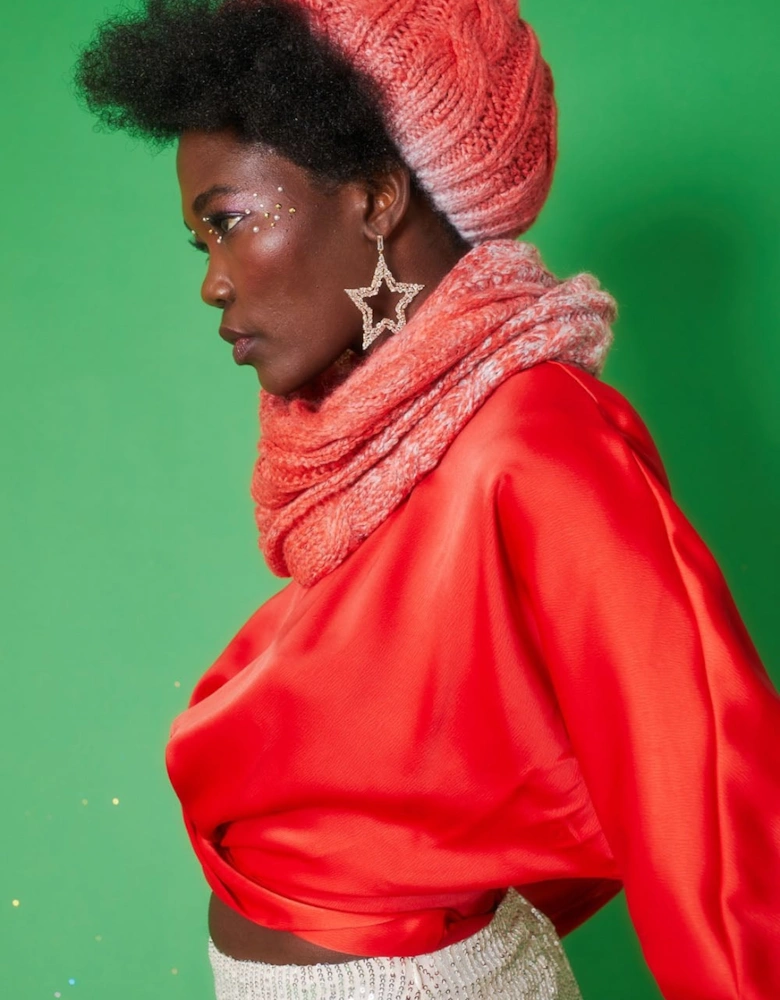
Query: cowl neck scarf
[[336, 458]]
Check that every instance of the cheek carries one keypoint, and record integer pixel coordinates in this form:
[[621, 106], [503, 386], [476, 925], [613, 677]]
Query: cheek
[[304, 277], [291, 278]]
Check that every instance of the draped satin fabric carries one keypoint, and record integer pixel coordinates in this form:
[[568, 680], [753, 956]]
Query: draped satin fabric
[[336, 457], [532, 673]]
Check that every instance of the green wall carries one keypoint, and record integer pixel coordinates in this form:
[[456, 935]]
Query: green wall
[[128, 435]]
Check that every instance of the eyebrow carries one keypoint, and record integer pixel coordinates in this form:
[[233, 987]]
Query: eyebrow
[[205, 196]]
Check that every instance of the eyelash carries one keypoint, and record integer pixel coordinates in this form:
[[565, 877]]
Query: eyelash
[[215, 221]]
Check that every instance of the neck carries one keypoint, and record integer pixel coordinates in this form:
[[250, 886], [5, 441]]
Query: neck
[[423, 250]]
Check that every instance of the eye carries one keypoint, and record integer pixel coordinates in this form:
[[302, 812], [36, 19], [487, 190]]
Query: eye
[[224, 222], [228, 222], [221, 223]]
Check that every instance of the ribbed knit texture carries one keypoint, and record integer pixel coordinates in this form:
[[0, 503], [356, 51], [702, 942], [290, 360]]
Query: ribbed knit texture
[[468, 98], [336, 458]]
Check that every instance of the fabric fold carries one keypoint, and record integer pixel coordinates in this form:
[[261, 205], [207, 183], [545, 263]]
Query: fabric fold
[[335, 460], [532, 673]]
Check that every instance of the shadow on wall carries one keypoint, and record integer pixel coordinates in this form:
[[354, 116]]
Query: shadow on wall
[[697, 353], [694, 351]]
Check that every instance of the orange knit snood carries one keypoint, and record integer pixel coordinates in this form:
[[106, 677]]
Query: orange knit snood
[[336, 459]]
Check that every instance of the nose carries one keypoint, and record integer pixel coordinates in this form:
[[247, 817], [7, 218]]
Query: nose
[[217, 289]]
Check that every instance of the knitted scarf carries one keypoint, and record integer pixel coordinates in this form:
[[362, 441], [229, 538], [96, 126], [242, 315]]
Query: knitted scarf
[[336, 458]]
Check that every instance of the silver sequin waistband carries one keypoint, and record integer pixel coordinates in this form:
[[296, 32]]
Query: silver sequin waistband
[[517, 956]]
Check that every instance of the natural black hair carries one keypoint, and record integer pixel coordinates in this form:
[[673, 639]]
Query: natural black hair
[[251, 66]]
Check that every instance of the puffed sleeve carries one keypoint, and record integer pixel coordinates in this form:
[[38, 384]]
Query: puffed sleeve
[[252, 638], [668, 707]]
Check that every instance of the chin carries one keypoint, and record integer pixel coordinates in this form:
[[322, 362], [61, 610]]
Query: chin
[[314, 384], [273, 386]]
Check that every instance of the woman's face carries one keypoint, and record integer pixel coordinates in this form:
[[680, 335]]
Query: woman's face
[[280, 252]]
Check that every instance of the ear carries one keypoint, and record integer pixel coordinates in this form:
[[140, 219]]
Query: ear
[[388, 201]]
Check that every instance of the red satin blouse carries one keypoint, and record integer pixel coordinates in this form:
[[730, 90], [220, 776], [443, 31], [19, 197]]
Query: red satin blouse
[[531, 674]]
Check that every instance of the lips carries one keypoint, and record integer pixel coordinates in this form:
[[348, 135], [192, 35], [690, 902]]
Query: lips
[[242, 348], [231, 336], [242, 343]]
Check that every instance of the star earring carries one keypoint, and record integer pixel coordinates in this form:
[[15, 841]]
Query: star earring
[[359, 295]]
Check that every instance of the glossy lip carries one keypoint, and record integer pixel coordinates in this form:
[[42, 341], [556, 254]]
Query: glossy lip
[[242, 343], [242, 348], [231, 336]]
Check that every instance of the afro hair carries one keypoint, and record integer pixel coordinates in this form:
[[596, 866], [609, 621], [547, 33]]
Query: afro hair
[[250, 66]]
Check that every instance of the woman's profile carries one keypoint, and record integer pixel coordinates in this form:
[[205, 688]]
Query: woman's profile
[[506, 678]]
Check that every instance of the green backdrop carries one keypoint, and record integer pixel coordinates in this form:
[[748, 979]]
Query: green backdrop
[[128, 546]]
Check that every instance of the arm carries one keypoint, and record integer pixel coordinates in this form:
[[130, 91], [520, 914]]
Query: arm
[[668, 707]]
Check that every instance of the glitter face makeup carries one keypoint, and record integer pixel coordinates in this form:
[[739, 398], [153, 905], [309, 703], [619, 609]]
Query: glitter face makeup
[[223, 223], [261, 281]]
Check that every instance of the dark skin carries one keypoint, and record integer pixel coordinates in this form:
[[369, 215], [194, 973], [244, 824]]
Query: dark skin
[[282, 287]]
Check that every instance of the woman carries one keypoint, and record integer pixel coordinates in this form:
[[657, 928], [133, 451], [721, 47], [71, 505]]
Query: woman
[[507, 678]]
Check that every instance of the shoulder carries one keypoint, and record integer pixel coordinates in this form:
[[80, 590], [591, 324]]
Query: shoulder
[[552, 414]]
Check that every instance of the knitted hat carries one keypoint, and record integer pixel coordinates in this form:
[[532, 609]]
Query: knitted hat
[[468, 98]]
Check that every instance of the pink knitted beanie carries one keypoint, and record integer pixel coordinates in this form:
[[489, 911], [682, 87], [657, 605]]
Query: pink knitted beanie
[[468, 99]]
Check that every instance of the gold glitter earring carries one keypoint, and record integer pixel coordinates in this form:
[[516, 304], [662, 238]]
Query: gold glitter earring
[[359, 296]]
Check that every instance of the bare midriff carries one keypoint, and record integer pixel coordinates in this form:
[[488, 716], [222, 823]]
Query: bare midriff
[[240, 938]]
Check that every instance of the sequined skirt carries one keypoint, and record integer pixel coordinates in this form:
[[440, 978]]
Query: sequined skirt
[[517, 956]]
